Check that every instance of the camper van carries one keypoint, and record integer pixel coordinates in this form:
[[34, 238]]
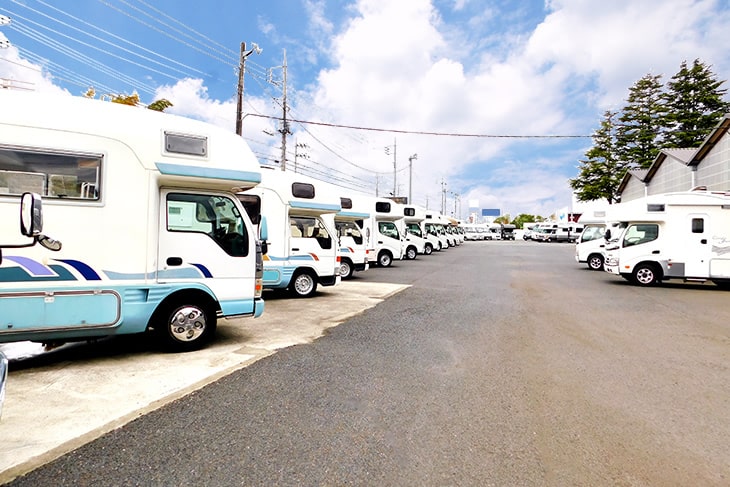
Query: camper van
[[154, 238], [302, 251], [683, 235], [415, 240], [354, 249], [435, 224], [385, 229]]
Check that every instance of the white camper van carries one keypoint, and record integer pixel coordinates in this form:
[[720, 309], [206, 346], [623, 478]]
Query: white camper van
[[684, 235], [385, 229], [153, 236], [302, 250], [354, 249], [415, 241], [435, 224]]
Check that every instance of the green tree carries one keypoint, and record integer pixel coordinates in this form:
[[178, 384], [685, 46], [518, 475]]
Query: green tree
[[602, 170], [695, 105], [640, 127], [523, 218], [502, 219]]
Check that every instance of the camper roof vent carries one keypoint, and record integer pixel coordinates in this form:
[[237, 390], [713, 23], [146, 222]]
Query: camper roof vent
[[193, 145]]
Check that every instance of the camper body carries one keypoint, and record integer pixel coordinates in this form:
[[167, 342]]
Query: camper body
[[684, 235], [557, 232], [153, 237], [435, 225], [354, 248], [388, 231], [302, 250], [415, 238]]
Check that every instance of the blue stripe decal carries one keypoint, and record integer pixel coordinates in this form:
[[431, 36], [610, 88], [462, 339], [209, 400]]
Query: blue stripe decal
[[207, 172], [203, 269], [353, 214], [32, 267], [306, 205], [84, 269]]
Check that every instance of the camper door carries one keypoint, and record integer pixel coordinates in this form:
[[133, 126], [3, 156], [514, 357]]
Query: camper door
[[204, 237], [698, 251]]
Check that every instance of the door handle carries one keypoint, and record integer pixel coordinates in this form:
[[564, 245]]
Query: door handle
[[656, 252], [703, 241], [174, 261], [295, 249]]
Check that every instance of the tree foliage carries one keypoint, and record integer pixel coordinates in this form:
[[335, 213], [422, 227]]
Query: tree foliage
[[523, 218], [130, 100], [639, 132], [602, 169], [679, 115], [695, 105]]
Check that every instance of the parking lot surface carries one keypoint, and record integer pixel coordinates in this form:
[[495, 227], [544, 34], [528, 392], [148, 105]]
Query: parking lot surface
[[60, 399]]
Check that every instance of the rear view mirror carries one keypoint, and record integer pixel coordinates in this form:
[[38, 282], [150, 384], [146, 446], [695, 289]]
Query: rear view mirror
[[263, 229], [31, 215]]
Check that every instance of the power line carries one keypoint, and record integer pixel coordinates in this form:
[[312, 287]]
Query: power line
[[418, 132]]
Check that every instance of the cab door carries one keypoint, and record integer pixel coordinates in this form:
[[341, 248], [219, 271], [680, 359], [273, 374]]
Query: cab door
[[314, 243], [203, 238]]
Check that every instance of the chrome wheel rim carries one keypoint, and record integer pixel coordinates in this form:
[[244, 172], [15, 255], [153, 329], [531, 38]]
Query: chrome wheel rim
[[187, 324]]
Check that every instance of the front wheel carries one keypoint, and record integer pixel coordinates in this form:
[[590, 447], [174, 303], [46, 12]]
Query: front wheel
[[346, 269], [411, 253], [385, 259], [645, 275], [303, 285], [595, 262], [428, 249], [183, 327]]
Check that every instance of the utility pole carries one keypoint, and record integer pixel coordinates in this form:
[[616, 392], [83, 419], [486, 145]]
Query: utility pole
[[285, 124], [241, 70], [395, 178], [410, 178], [443, 196]]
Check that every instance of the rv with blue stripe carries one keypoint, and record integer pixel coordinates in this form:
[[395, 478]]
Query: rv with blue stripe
[[150, 234]]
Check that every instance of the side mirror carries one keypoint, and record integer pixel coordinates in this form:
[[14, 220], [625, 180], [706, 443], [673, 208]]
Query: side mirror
[[263, 229], [607, 235], [31, 215]]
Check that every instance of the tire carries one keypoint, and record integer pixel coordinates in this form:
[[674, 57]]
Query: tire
[[428, 250], [303, 285], [411, 253], [183, 326], [722, 284], [645, 275], [595, 262], [346, 269], [385, 259]]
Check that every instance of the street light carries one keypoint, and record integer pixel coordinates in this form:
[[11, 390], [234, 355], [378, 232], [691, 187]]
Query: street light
[[410, 177]]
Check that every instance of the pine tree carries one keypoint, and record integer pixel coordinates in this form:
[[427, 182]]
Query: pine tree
[[602, 170], [641, 124], [695, 105]]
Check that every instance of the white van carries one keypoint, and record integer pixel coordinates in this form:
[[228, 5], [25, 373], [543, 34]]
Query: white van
[[415, 241], [302, 249], [354, 250], [683, 235], [153, 235]]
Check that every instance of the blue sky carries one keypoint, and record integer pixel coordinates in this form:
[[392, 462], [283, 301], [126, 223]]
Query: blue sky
[[477, 89]]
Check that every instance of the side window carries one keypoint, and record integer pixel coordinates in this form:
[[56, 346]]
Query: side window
[[349, 229], [215, 216], [50, 174], [388, 229], [640, 233], [308, 227]]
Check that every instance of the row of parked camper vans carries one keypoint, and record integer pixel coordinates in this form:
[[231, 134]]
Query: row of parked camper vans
[[682, 235], [166, 224]]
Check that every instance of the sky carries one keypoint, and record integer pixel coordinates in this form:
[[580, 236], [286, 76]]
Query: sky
[[462, 105]]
